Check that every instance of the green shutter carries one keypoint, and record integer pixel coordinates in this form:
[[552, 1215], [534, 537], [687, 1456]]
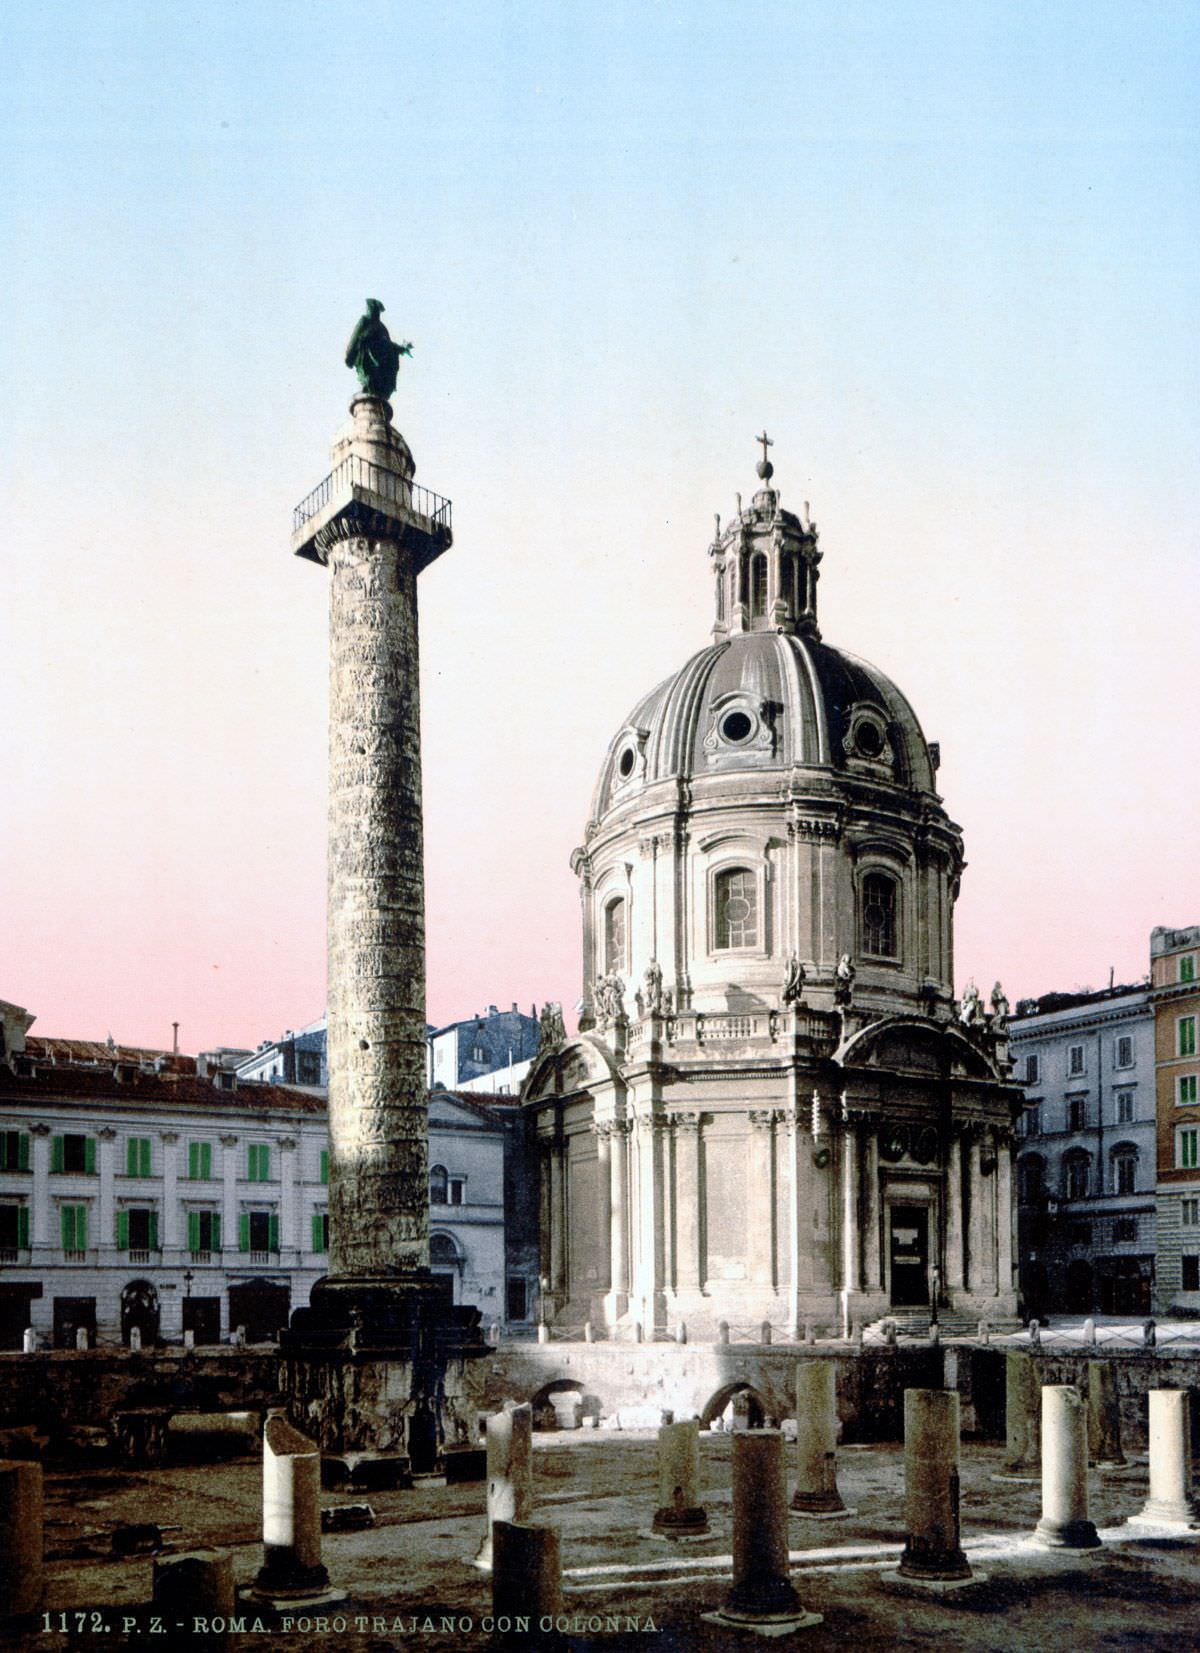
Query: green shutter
[[58, 1158], [122, 1231], [318, 1227], [193, 1228], [89, 1158], [252, 1162], [81, 1235], [244, 1231], [325, 1165], [206, 1159], [23, 1227], [154, 1231], [23, 1151], [144, 1157], [193, 1166], [131, 1156], [215, 1230], [273, 1231], [66, 1227]]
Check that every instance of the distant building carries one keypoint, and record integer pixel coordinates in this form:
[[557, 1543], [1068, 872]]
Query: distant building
[[137, 1190], [1086, 1155], [298, 1058], [1175, 989], [465, 1051]]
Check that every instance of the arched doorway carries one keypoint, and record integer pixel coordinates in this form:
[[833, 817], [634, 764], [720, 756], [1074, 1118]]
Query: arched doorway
[[446, 1262], [748, 1408], [139, 1307]]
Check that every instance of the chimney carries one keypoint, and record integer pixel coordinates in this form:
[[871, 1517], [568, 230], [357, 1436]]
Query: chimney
[[174, 1038], [514, 1008]]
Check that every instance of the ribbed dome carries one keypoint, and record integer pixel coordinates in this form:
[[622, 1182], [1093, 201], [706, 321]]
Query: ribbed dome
[[767, 701]]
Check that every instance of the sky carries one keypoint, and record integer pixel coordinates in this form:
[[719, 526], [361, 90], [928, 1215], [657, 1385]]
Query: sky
[[948, 255]]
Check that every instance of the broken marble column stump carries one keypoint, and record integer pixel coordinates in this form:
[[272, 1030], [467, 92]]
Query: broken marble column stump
[[509, 1473], [1171, 1503], [20, 1538], [933, 1552], [196, 1584], [762, 1597], [526, 1580], [1065, 1523], [816, 1491], [292, 1573], [680, 1513], [1022, 1419], [1104, 1415]]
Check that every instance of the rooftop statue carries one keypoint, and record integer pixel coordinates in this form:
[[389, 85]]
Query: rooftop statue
[[373, 353]]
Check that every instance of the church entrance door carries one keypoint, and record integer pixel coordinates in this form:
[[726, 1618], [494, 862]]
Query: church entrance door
[[910, 1255]]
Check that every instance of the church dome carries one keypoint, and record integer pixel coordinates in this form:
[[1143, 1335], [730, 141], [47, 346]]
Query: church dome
[[769, 701]]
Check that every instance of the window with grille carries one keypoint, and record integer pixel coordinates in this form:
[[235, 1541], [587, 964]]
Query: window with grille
[[879, 916], [737, 908], [758, 586], [614, 937]]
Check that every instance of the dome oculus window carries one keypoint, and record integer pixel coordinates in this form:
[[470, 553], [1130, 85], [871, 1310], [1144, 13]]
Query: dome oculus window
[[737, 727], [625, 763], [736, 894], [878, 907], [868, 739]]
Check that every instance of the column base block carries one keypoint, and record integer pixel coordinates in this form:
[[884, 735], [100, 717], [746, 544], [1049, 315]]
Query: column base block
[[826, 1503], [764, 1624], [1067, 1535], [935, 1586], [1183, 1516], [676, 1523]]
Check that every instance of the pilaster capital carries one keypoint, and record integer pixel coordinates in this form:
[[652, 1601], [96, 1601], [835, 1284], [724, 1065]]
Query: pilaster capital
[[762, 1119], [38, 1128], [106, 1133], [228, 1141], [686, 1124], [286, 1142], [168, 1137]]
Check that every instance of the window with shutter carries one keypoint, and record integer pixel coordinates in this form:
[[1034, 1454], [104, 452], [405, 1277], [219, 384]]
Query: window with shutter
[[244, 1231], [122, 1231], [318, 1231], [23, 1227], [58, 1153], [193, 1227], [325, 1166], [273, 1232]]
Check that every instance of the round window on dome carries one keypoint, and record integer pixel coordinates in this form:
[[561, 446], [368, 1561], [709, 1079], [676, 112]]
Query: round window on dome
[[736, 727], [868, 738], [625, 763]]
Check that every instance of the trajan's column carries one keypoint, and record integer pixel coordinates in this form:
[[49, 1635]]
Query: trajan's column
[[377, 1362]]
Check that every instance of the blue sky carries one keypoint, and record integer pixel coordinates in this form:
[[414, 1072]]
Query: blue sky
[[947, 254]]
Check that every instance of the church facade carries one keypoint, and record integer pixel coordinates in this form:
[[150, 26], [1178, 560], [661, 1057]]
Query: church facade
[[774, 1109]]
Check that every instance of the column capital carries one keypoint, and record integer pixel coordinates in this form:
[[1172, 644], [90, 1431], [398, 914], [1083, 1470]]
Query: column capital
[[38, 1128], [168, 1137], [287, 1141], [686, 1123], [762, 1119]]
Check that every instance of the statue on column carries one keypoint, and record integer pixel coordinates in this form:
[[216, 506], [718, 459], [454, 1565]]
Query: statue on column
[[373, 353], [793, 981], [843, 984]]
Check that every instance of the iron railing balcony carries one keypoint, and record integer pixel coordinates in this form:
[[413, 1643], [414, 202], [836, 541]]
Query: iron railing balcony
[[374, 499]]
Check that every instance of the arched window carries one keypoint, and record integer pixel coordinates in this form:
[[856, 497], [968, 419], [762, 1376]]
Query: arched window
[[879, 916], [1124, 1168], [1077, 1169], [788, 573], [736, 896], [758, 586], [614, 936], [1031, 1174], [438, 1185], [732, 588], [443, 1251]]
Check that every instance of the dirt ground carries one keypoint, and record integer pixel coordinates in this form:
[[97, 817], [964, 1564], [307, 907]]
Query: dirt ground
[[412, 1570]]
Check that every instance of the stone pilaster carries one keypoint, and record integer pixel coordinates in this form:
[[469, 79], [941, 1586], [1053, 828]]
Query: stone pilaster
[[687, 1201], [229, 1200], [603, 1132], [760, 1199], [169, 1235], [105, 1237], [955, 1271], [618, 1297], [41, 1184]]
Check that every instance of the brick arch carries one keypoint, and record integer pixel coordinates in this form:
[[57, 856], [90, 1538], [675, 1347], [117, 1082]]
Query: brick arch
[[718, 1401]]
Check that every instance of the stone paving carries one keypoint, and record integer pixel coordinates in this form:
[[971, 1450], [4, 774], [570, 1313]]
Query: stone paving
[[599, 1489]]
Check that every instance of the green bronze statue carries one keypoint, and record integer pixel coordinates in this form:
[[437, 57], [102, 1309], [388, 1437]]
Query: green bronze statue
[[373, 354]]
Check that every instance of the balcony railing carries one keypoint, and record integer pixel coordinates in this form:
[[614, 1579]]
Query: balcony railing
[[356, 472], [8, 1254]]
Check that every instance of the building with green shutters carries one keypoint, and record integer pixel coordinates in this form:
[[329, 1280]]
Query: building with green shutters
[[142, 1188]]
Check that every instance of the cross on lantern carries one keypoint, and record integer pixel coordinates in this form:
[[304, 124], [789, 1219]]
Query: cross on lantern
[[767, 442]]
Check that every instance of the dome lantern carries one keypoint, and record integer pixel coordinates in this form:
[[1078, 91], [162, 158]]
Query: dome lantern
[[765, 565]]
